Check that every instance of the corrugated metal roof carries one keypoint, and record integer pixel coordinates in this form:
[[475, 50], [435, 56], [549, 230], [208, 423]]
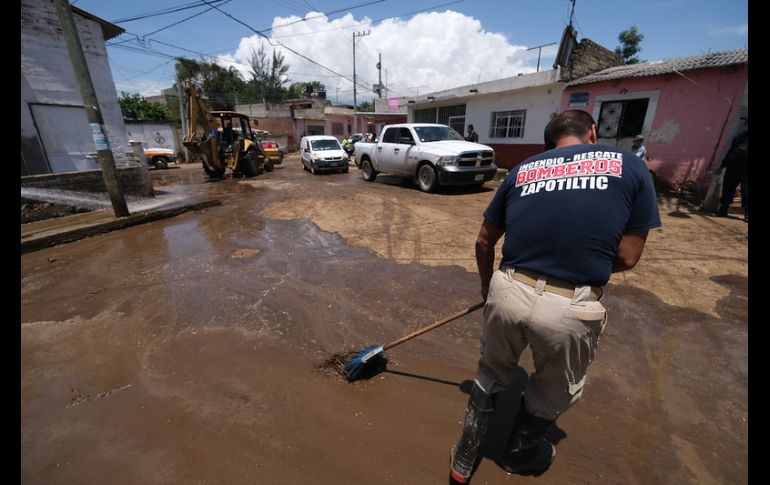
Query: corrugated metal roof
[[109, 30], [655, 68]]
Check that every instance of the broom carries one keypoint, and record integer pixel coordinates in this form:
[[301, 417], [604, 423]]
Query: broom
[[357, 365]]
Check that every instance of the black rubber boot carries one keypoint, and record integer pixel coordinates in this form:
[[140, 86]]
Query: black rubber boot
[[465, 458], [527, 451]]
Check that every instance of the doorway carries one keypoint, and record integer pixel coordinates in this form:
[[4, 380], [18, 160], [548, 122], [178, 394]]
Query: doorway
[[621, 120]]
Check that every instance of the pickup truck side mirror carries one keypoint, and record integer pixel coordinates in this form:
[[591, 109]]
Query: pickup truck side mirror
[[306, 150], [405, 140]]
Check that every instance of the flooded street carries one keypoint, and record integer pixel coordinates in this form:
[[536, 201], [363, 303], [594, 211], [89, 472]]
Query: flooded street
[[185, 350]]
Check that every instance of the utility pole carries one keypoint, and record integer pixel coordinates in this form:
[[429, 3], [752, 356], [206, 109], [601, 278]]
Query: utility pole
[[183, 118], [379, 82], [355, 98], [91, 105]]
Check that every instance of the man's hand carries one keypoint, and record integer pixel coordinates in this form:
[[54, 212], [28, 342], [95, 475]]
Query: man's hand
[[629, 250], [489, 234]]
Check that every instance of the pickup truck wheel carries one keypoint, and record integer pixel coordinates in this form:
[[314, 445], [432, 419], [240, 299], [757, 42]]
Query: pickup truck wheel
[[368, 170], [268, 165], [160, 162], [312, 169], [427, 178]]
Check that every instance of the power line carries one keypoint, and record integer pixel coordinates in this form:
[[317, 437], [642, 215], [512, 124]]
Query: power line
[[183, 20], [164, 11], [203, 54], [372, 22], [303, 20], [283, 45], [319, 16], [142, 50], [146, 72], [143, 37]]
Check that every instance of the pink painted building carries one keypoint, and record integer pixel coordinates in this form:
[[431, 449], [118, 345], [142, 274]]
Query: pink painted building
[[687, 109]]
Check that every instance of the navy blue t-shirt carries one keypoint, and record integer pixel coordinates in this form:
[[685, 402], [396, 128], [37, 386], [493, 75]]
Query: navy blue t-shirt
[[564, 211]]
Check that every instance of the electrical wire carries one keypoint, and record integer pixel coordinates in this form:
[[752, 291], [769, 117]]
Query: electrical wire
[[164, 11], [286, 47]]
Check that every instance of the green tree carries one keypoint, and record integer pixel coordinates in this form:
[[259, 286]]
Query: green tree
[[136, 106], [298, 90], [268, 76], [366, 106], [223, 87], [629, 45]]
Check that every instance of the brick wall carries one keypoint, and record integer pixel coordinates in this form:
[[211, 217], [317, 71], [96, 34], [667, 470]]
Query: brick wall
[[276, 126], [588, 58], [131, 181]]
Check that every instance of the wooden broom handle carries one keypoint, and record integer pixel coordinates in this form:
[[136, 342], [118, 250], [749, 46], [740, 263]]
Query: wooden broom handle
[[430, 327]]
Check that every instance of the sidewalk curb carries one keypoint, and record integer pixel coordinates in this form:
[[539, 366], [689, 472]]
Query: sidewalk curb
[[34, 242]]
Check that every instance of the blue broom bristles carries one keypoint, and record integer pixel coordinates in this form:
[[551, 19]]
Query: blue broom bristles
[[356, 365]]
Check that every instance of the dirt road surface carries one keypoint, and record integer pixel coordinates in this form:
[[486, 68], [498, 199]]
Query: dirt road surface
[[184, 351]]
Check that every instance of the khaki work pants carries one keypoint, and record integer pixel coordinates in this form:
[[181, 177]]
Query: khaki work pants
[[562, 332]]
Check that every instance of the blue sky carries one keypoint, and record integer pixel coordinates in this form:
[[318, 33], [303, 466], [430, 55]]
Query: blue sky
[[460, 43]]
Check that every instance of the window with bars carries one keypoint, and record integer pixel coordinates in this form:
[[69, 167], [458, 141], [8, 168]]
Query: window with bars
[[449, 114], [619, 119], [425, 115], [453, 116], [508, 124]]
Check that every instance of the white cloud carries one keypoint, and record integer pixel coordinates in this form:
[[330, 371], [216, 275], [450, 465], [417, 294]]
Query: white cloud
[[143, 87], [429, 52], [730, 30]]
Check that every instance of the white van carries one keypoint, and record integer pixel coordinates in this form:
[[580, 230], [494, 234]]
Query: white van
[[322, 153]]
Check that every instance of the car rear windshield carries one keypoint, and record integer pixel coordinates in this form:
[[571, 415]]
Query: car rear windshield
[[436, 133], [321, 145]]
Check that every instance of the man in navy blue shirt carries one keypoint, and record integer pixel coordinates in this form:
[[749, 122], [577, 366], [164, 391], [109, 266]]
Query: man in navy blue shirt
[[571, 216]]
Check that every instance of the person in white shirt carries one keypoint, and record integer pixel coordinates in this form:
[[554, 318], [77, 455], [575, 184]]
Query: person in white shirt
[[638, 147]]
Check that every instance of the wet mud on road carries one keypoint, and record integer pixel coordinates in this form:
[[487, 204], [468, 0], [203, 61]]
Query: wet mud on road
[[187, 350]]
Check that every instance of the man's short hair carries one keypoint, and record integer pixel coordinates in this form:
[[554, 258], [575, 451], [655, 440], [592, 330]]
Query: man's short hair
[[470, 127], [574, 122]]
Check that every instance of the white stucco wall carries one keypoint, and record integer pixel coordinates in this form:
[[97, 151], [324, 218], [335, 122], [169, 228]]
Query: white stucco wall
[[540, 103], [154, 135], [47, 78]]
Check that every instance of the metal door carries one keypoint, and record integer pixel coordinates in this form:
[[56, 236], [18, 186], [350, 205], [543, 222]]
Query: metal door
[[66, 137]]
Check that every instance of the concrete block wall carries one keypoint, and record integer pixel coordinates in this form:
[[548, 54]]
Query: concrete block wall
[[47, 78], [131, 180], [588, 58]]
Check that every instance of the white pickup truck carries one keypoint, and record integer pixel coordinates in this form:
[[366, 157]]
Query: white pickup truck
[[433, 154]]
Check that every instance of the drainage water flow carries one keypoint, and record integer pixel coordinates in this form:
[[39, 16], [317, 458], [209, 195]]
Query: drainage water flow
[[91, 200]]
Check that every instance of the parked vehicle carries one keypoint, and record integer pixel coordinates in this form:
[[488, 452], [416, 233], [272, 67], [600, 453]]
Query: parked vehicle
[[353, 140], [356, 138], [272, 151], [322, 153], [159, 158], [431, 153]]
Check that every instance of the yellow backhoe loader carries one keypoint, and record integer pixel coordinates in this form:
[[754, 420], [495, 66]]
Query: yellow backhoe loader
[[223, 140]]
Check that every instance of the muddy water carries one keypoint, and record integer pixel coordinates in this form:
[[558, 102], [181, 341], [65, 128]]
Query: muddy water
[[187, 351]]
